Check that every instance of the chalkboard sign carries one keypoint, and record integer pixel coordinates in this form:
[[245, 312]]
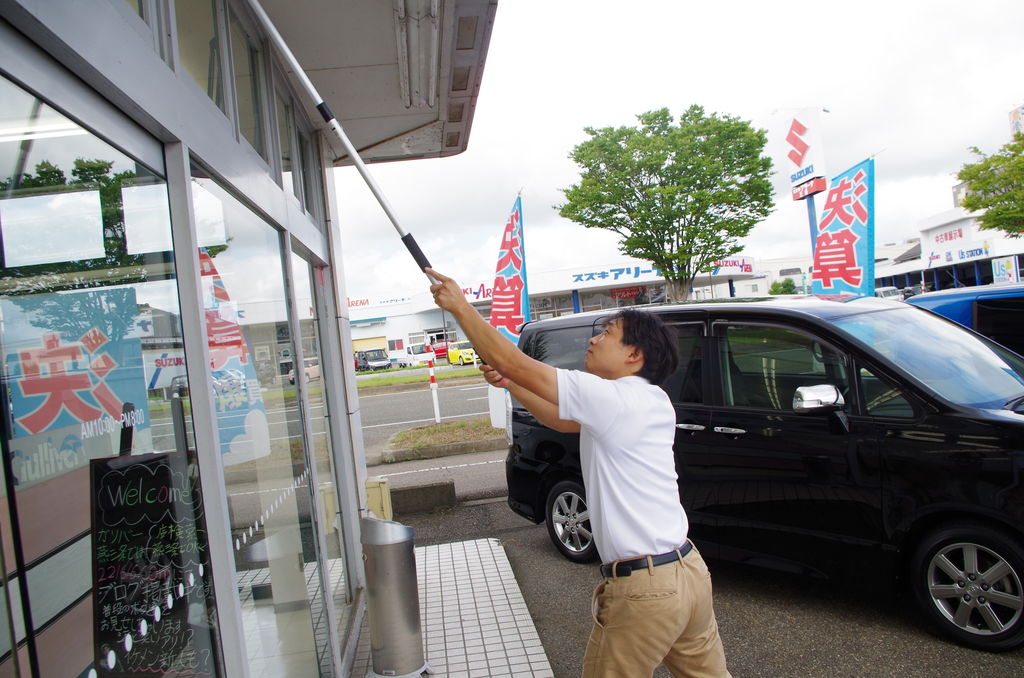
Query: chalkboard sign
[[154, 609]]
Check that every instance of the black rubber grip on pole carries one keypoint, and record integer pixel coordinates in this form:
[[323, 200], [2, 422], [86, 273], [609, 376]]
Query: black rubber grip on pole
[[415, 251], [325, 111]]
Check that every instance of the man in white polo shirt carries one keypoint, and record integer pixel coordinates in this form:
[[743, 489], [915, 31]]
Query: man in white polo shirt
[[654, 605]]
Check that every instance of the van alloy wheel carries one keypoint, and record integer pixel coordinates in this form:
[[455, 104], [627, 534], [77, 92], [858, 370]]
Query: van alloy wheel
[[968, 580], [568, 522]]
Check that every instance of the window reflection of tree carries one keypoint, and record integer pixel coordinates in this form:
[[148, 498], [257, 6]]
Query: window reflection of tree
[[67, 313]]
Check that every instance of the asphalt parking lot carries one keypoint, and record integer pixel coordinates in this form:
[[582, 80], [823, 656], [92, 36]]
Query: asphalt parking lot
[[773, 625]]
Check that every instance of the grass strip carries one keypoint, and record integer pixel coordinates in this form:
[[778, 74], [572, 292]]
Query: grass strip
[[414, 378], [464, 430]]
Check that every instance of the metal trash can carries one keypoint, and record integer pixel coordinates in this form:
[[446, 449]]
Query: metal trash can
[[396, 641]]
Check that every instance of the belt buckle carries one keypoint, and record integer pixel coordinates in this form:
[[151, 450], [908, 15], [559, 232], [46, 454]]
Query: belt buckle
[[617, 569]]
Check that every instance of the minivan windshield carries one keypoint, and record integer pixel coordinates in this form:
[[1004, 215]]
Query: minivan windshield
[[957, 365], [376, 354]]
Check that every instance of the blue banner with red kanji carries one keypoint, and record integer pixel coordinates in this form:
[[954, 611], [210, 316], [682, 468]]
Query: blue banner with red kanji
[[74, 362], [510, 302], [844, 248]]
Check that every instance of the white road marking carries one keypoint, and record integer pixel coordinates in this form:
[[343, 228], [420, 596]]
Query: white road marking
[[425, 389], [441, 468], [418, 421]]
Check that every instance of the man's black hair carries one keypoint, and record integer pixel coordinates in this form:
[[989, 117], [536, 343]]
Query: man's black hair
[[648, 333]]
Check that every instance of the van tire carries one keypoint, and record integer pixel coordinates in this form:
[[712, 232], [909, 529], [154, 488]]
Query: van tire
[[984, 568], [568, 521]]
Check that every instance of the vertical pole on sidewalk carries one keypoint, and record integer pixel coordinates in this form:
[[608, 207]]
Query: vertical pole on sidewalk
[[433, 393]]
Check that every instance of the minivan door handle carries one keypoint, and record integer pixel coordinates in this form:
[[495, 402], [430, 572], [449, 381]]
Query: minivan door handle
[[690, 427], [728, 430]]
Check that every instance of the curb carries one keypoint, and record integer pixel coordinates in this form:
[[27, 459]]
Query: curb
[[391, 454], [422, 498]]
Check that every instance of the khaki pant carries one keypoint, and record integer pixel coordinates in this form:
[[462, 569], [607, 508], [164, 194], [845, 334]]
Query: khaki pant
[[657, 615]]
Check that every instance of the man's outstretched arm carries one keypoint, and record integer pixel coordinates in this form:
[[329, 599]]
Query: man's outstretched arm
[[497, 351], [546, 412]]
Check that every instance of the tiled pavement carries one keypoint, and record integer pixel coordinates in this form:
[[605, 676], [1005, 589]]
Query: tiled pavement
[[474, 621]]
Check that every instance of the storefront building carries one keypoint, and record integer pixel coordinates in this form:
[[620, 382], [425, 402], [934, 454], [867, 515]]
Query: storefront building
[[955, 252], [170, 503], [394, 321]]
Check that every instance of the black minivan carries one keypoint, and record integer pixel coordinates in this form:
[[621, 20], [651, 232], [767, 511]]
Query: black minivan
[[834, 437]]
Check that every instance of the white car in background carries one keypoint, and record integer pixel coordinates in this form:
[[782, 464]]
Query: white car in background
[[416, 355]]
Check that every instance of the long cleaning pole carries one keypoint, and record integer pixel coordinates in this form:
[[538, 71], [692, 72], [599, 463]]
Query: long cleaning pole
[[332, 122]]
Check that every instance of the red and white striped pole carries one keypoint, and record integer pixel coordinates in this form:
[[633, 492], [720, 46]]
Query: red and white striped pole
[[433, 392]]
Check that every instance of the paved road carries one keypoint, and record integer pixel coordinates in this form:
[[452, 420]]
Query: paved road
[[773, 625]]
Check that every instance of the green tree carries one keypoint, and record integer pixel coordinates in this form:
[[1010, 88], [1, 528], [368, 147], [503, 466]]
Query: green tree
[[784, 286], [996, 184], [679, 195]]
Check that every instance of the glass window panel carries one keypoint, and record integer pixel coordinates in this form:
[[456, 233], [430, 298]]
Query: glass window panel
[[763, 366], [301, 164], [147, 224], [562, 348], [71, 219], [248, 85], [883, 398], [94, 378], [336, 575], [262, 442], [686, 385], [310, 160], [284, 135], [199, 45], [592, 301]]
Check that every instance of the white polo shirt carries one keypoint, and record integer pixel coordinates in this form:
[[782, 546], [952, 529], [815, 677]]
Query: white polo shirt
[[627, 431]]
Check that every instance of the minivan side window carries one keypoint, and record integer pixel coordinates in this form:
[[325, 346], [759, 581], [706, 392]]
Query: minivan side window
[[686, 384], [563, 347], [882, 398], [762, 366]]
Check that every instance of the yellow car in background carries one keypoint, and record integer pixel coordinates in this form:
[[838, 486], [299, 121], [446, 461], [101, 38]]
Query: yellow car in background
[[461, 353]]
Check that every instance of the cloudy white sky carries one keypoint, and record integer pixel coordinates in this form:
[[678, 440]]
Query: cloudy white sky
[[913, 83]]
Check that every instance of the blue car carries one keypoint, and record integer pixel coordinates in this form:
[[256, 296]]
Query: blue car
[[996, 311]]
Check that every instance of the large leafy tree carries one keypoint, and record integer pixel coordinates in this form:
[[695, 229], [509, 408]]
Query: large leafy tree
[[679, 195], [996, 184]]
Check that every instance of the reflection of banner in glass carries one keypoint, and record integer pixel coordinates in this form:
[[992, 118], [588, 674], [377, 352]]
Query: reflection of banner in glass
[[844, 252], [73, 363], [510, 303], [241, 414]]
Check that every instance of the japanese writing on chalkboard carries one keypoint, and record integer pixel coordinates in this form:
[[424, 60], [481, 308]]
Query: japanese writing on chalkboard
[[154, 612]]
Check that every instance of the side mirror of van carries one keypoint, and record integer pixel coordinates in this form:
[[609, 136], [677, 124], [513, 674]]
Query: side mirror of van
[[817, 398], [822, 398]]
